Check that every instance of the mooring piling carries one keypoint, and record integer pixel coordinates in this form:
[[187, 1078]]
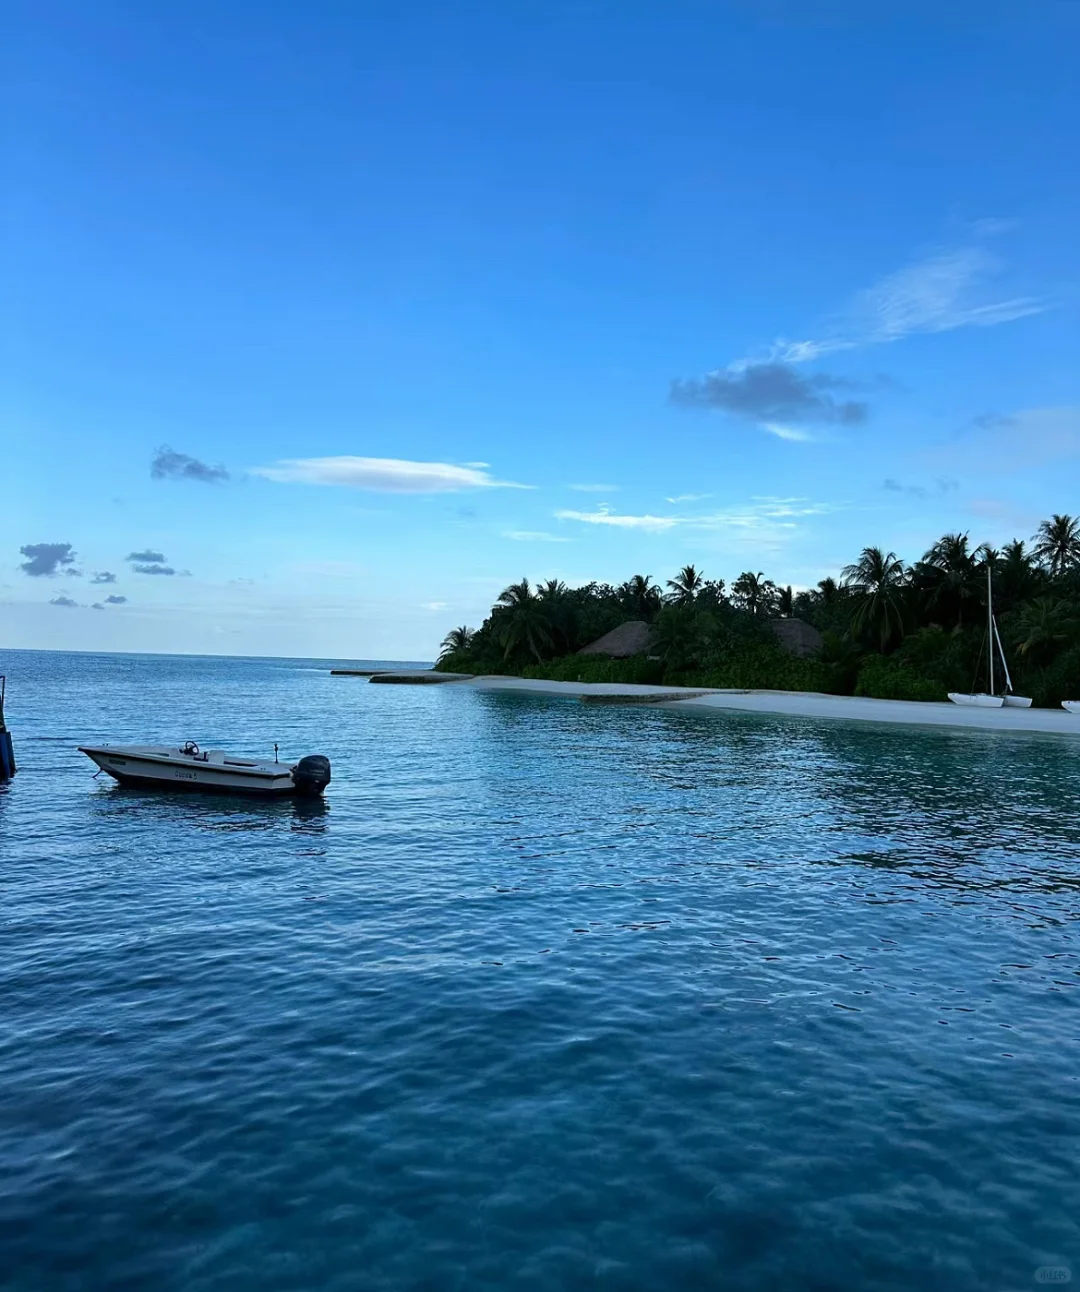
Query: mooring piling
[[7, 751]]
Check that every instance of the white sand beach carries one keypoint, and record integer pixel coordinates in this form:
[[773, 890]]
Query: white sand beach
[[808, 704]]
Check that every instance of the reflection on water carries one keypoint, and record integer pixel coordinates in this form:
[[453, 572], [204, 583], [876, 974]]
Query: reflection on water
[[205, 810]]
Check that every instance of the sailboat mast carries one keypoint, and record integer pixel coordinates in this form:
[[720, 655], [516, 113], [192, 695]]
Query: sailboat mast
[[990, 625], [1004, 661]]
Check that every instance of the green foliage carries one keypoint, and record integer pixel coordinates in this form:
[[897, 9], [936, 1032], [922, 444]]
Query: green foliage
[[761, 666], [683, 636], [889, 630], [596, 668], [892, 679], [1058, 681]]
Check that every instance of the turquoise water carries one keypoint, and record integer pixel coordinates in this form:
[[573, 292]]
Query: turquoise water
[[545, 997]]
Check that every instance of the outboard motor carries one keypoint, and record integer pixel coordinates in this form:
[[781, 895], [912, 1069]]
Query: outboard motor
[[311, 775]]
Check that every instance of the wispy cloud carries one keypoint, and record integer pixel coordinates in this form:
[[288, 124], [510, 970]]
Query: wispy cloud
[[594, 488], [945, 289], [772, 395], [759, 513], [167, 464], [154, 569], [46, 559], [688, 497], [605, 516], [384, 475], [762, 511], [148, 556], [533, 536], [103, 576], [66, 602], [115, 601], [949, 288]]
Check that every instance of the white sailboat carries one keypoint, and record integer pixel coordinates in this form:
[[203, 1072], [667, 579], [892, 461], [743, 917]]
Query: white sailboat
[[990, 699], [1071, 706]]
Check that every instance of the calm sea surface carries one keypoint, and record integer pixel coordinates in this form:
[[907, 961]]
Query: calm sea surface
[[544, 997]]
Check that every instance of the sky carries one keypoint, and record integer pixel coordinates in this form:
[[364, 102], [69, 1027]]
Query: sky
[[323, 322]]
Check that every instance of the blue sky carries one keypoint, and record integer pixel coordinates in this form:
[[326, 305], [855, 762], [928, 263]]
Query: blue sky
[[456, 293]]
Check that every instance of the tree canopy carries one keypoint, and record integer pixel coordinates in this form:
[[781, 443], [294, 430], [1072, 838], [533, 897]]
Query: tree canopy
[[892, 628]]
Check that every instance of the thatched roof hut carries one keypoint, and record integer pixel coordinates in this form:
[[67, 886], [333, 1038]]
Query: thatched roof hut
[[632, 638], [797, 637]]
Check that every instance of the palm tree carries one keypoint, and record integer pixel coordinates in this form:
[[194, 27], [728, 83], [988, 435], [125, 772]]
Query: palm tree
[[785, 602], [878, 579], [828, 590], [554, 596], [456, 641], [1045, 625], [1057, 544], [753, 592], [1016, 578], [524, 621], [641, 597], [682, 634], [948, 576], [685, 586]]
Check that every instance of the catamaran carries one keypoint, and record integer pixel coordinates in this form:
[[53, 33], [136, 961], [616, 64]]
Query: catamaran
[[991, 699]]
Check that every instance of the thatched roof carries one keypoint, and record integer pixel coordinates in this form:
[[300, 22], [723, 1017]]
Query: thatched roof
[[632, 638], [797, 637]]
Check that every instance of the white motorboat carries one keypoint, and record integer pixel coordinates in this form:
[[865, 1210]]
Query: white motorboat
[[1071, 706], [987, 699], [189, 768]]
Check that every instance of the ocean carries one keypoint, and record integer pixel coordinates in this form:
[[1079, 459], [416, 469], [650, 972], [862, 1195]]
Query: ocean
[[543, 996]]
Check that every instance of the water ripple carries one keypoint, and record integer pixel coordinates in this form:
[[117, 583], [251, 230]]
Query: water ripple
[[543, 996]]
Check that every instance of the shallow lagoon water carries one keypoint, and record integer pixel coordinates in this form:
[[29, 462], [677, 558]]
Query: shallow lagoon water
[[545, 996]]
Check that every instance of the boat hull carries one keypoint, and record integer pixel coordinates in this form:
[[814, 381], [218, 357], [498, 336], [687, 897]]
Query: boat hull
[[151, 782], [976, 701], [1017, 701], [1071, 706], [165, 770]]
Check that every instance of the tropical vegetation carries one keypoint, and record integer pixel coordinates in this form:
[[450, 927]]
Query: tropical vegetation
[[888, 628]]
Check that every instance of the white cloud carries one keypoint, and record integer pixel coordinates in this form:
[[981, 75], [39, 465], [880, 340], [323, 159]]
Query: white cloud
[[595, 488], [383, 475], [688, 497], [786, 432], [434, 605], [533, 536], [603, 516]]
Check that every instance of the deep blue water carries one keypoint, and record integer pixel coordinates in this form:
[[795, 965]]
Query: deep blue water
[[546, 997]]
